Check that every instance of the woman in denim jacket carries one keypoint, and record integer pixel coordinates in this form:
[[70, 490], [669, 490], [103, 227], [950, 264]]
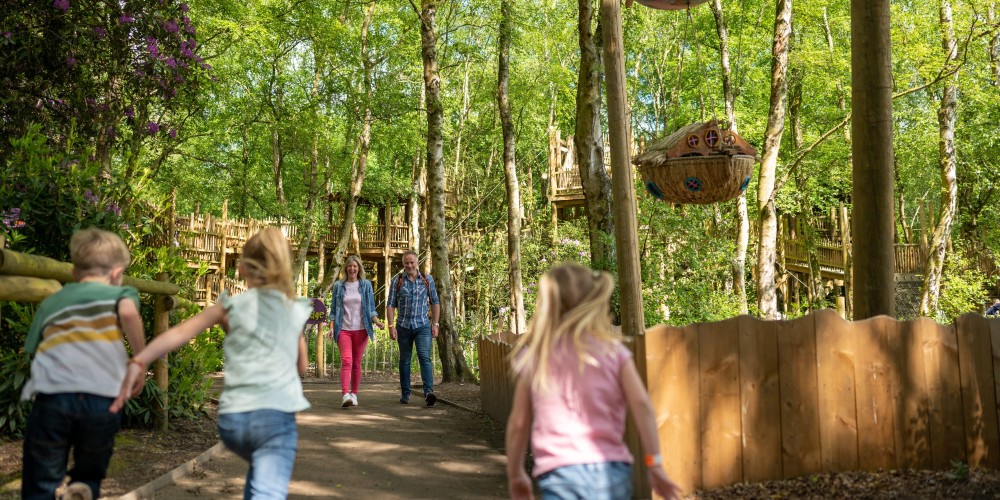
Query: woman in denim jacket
[[353, 308]]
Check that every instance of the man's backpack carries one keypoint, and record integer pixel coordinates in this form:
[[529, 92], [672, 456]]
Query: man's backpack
[[399, 281]]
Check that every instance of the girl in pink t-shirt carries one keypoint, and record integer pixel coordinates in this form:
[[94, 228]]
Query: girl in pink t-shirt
[[575, 381]]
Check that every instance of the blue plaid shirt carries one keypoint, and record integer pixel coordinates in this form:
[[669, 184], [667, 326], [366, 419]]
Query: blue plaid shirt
[[412, 300]]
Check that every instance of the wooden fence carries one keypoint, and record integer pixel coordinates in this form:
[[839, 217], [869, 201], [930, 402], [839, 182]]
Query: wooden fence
[[745, 400]]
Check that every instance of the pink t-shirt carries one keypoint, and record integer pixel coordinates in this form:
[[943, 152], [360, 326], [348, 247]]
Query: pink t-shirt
[[352, 307], [581, 418]]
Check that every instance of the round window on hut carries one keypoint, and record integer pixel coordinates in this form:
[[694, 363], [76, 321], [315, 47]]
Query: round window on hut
[[712, 138], [693, 141]]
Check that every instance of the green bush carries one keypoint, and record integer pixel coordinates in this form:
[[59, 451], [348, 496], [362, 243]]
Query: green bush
[[14, 370]]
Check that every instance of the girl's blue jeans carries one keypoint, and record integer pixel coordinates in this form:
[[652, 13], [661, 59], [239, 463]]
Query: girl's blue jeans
[[600, 481], [62, 422], [268, 440]]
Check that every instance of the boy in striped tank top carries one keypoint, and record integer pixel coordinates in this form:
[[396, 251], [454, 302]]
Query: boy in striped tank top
[[78, 367]]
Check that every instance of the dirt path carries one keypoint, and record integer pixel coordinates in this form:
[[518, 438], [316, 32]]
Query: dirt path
[[379, 449]]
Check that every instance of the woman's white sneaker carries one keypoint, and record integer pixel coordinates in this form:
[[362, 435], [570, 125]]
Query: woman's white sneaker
[[347, 401], [354, 399]]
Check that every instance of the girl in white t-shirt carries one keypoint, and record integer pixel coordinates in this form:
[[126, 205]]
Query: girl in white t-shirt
[[575, 381], [265, 355]]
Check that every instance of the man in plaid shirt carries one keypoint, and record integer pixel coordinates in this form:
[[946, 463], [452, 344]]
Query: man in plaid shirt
[[413, 293]]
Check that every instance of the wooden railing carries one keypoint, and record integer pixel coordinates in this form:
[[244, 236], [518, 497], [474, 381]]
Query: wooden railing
[[910, 258], [745, 400], [567, 182]]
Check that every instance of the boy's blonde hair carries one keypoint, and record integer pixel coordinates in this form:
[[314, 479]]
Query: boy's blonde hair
[[267, 261], [96, 252], [361, 268], [573, 305]]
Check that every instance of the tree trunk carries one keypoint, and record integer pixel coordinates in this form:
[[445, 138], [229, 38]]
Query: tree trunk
[[994, 47], [934, 267], [768, 220], [518, 322], [742, 217], [453, 363], [872, 156], [277, 156], [312, 169], [623, 190], [589, 144], [358, 179], [416, 193]]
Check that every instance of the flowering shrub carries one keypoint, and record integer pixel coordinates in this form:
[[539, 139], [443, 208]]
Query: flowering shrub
[[104, 72]]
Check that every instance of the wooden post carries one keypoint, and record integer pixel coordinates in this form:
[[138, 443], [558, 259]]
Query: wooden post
[[224, 237], [321, 350], [845, 248], [553, 167], [161, 322], [622, 189]]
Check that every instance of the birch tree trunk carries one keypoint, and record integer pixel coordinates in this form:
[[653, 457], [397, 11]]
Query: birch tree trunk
[[589, 147], [277, 157], [994, 47], [453, 363], [518, 322], [312, 169], [358, 178], [947, 162], [767, 232], [742, 216], [871, 147]]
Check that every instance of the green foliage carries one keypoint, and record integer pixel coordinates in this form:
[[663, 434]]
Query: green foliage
[[962, 288], [14, 370]]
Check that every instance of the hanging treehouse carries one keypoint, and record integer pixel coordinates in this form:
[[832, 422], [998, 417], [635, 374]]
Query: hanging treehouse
[[699, 163]]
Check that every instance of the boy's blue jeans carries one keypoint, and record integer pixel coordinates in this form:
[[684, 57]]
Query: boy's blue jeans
[[58, 423], [268, 440], [600, 481], [424, 339]]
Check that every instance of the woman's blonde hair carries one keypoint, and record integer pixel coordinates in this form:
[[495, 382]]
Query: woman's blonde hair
[[361, 267], [267, 261], [573, 306]]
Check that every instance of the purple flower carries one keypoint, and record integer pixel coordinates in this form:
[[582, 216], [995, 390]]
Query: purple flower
[[173, 133], [172, 62], [7, 35], [189, 28], [186, 52], [113, 208], [206, 66], [100, 32], [153, 127], [62, 5], [125, 19], [12, 218], [130, 112], [90, 196], [184, 7], [153, 49], [70, 61], [170, 26]]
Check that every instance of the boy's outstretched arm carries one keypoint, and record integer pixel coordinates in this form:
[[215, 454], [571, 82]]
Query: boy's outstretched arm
[[516, 438], [131, 322], [645, 423], [162, 344]]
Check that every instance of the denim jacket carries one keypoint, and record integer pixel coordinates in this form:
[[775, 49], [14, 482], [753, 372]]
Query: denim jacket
[[367, 307]]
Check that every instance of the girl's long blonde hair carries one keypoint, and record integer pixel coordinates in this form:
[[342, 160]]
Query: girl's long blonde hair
[[573, 305], [267, 261]]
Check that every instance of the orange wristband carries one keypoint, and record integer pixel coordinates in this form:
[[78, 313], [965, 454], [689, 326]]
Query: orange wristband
[[654, 460], [132, 360]]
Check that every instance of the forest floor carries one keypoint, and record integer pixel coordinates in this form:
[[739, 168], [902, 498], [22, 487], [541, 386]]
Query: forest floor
[[410, 451]]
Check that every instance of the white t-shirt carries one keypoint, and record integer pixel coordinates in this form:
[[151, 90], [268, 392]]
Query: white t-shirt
[[352, 307]]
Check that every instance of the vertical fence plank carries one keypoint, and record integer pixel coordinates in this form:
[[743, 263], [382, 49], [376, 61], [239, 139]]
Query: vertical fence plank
[[874, 366], [759, 399], [994, 325], [913, 438], [800, 423], [672, 354], [722, 450], [979, 403], [945, 401], [835, 375]]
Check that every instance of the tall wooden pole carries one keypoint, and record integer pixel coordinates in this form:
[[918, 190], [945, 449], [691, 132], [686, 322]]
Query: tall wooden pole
[[872, 154], [622, 187], [161, 322]]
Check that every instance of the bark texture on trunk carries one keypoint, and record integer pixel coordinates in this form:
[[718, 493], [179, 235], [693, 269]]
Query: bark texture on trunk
[[518, 322], [453, 363], [871, 146], [947, 162], [589, 144], [767, 301], [742, 216]]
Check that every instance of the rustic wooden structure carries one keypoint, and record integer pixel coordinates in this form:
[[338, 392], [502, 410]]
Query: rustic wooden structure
[[215, 242], [745, 400], [698, 163]]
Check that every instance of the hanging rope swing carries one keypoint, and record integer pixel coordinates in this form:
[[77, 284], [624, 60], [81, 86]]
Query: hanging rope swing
[[698, 163]]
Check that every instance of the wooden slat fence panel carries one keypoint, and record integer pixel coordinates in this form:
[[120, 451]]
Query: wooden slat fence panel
[[944, 395], [799, 396], [719, 392], [759, 399], [674, 387], [873, 374], [978, 398], [912, 415], [835, 360]]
